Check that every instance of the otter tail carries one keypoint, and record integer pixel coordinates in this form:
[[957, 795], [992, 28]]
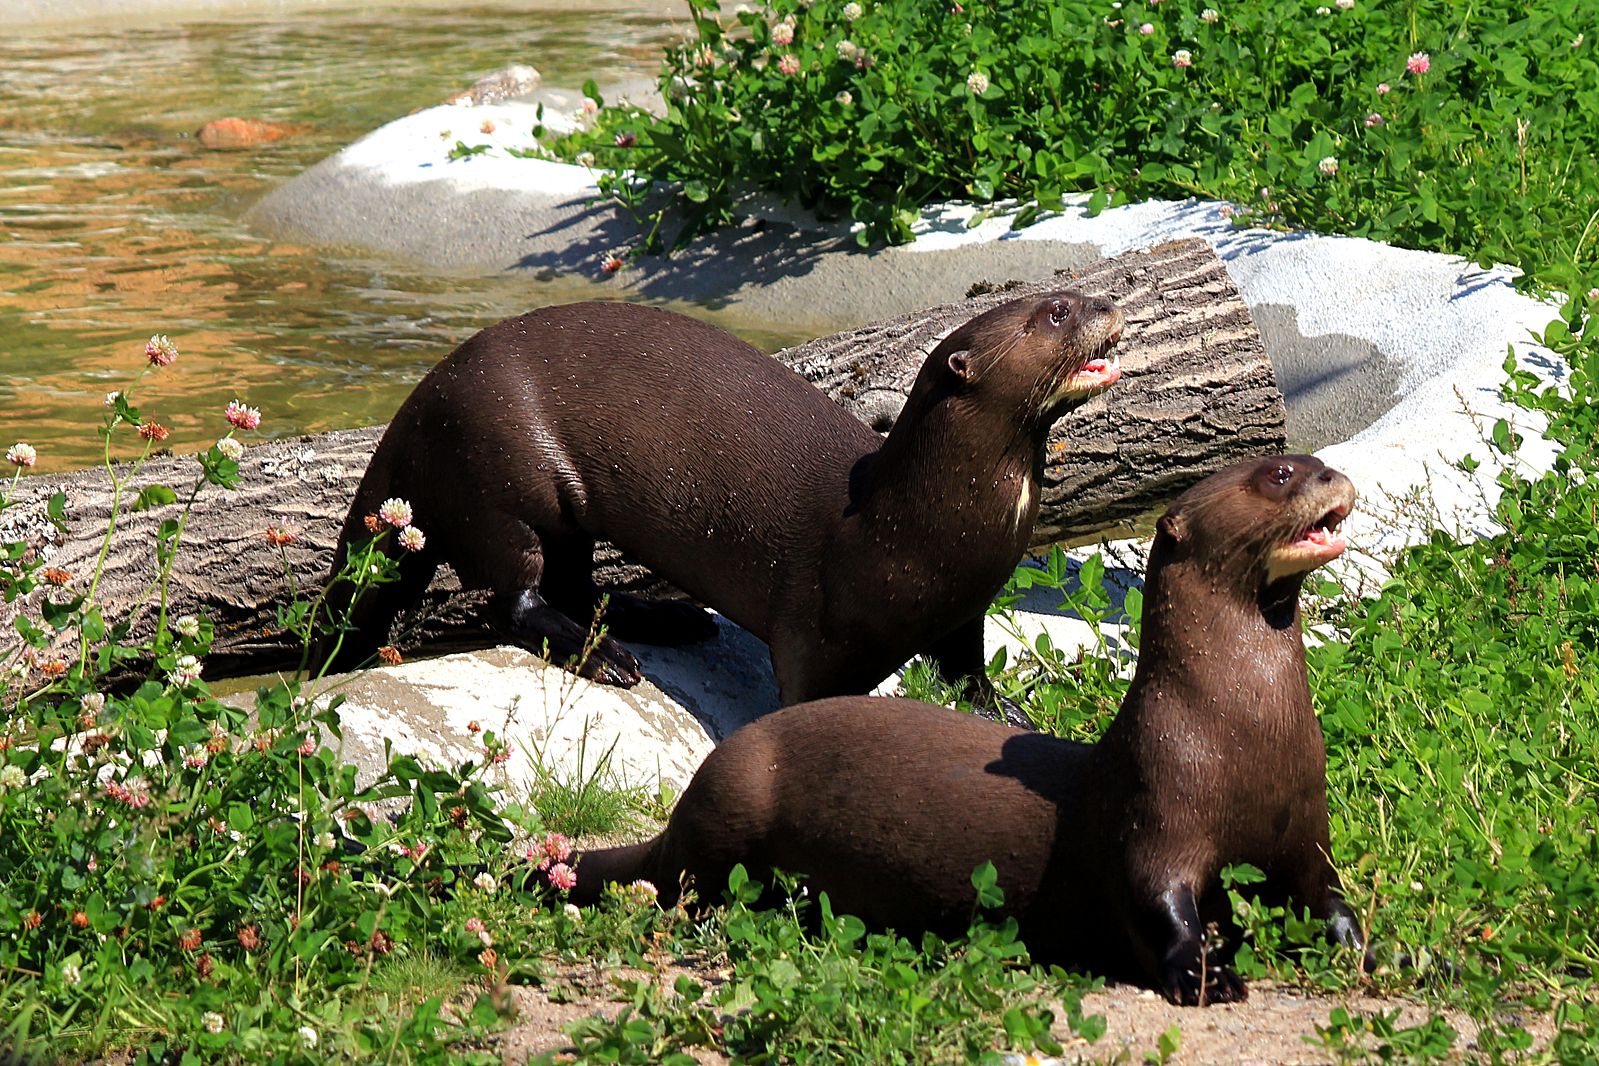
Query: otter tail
[[624, 865]]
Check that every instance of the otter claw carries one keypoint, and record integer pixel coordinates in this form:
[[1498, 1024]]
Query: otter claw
[[1221, 985], [611, 668], [1343, 929]]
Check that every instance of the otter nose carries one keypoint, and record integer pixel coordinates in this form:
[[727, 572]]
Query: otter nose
[[1339, 482]]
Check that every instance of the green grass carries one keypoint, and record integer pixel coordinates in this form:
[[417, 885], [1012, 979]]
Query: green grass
[[1028, 101], [590, 799]]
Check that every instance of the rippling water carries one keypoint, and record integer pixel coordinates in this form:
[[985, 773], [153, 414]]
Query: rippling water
[[117, 224]]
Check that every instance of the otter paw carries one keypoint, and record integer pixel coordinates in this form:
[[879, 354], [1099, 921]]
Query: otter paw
[[610, 664], [988, 702], [1181, 984], [1343, 929]]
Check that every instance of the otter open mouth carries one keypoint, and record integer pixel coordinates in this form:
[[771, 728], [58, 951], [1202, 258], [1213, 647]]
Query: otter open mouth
[[1098, 374], [1315, 545]]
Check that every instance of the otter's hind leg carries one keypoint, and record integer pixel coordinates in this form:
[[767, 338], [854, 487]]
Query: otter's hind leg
[[363, 626], [508, 557], [568, 585]]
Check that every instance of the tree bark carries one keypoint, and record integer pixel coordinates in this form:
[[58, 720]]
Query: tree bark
[[1197, 393]]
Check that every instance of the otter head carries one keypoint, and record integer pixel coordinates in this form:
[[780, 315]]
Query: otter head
[[1038, 357], [1260, 526]]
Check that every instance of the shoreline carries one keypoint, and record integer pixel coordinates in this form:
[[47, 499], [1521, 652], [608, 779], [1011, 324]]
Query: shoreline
[[64, 16]]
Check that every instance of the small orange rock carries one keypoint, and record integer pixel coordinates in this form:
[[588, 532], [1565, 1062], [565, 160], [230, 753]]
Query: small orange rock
[[243, 132]]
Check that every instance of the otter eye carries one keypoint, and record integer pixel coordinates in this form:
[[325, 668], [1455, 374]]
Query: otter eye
[[1059, 312], [1280, 474]]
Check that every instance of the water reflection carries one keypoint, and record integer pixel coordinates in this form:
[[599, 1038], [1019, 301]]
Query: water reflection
[[116, 224]]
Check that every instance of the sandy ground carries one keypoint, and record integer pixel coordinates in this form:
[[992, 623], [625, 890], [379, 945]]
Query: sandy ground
[[1271, 1029]]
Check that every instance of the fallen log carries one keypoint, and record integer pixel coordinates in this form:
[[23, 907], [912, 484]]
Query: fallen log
[[1197, 393]]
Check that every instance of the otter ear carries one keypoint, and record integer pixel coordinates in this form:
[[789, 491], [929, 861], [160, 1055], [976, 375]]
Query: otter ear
[[960, 364], [1174, 526]]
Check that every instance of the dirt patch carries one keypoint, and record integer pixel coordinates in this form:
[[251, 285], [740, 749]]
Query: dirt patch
[[579, 990], [1270, 1029]]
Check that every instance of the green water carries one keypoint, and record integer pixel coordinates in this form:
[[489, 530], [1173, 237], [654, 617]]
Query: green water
[[115, 224]]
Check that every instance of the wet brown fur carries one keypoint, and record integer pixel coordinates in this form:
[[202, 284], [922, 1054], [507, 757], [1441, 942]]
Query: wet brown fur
[[730, 476], [1108, 854]]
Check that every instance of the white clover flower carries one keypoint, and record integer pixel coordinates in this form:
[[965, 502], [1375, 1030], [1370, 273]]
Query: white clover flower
[[70, 974], [1182, 58], [11, 776], [1210, 14], [308, 1036], [92, 703], [1328, 166], [851, 11], [22, 454], [584, 159], [325, 841], [111, 398], [187, 625], [977, 83], [212, 1021], [847, 50], [485, 881], [186, 671], [230, 449], [411, 539], [572, 911], [844, 98]]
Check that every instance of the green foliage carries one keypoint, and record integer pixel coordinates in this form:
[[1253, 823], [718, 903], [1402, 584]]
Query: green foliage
[[913, 103], [196, 881], [812, 986], [1461, 719], [1074, 698], [1378, 1037]]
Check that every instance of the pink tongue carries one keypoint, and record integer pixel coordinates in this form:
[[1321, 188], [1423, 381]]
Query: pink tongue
[[1096, 366], [1319, 536]]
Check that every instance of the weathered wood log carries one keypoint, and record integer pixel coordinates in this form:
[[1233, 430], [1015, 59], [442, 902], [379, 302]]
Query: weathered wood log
[[1197, 392]]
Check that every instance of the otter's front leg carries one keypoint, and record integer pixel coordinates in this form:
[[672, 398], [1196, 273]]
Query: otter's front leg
[[545, 631], [1189, 974]]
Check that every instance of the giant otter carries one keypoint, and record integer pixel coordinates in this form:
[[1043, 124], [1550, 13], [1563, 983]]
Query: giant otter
[[1108, 854], [729, 475]]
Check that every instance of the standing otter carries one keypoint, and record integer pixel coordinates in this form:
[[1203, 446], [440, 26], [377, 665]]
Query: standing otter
[[1108, 854], [729, 475]]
